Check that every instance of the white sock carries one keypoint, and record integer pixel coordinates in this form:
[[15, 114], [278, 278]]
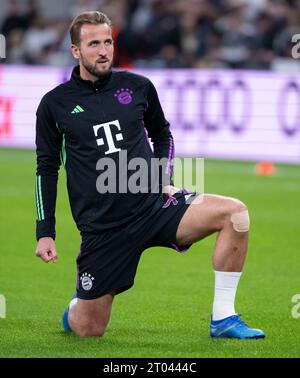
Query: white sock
[[225, 289]]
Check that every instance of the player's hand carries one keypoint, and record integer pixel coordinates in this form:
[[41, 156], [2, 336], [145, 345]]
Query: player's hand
[[170, 190], [46, 250]]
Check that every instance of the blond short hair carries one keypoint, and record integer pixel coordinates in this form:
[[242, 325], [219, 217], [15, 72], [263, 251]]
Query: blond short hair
[[93, 18]]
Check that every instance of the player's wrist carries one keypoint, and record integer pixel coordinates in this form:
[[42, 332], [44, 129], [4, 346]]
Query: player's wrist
[[50, 236]]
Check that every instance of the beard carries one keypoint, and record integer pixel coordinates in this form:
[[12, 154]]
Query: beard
[[94, 70]]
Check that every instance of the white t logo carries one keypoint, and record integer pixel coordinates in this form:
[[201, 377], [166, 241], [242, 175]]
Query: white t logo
[[109, 137]]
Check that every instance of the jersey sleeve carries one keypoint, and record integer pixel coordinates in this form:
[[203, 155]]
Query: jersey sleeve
[[158, 129], [48, 147]]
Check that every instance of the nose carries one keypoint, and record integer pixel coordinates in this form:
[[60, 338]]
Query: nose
[[102, 50]]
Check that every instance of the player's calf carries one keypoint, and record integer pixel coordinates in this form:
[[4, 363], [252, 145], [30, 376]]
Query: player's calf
[[88, 318], [232, 240]]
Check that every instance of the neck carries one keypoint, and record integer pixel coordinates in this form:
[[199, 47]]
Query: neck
[[86, 75]]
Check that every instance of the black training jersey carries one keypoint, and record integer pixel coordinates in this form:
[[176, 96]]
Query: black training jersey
[[80, 122]]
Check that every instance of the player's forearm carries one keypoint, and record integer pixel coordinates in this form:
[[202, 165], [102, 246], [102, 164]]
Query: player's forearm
[[159, 131], [45, 194], [163, 146]]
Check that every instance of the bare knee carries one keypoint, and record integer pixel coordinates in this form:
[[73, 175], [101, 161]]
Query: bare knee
[[238, 215], [86, 327], [90, 317], [90, 330], [237, 206]]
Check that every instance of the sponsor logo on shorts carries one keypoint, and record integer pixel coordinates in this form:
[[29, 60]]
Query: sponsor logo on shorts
[[86, 281]]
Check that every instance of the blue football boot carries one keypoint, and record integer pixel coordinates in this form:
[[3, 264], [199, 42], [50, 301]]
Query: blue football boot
[[64, 319], [233, 327]]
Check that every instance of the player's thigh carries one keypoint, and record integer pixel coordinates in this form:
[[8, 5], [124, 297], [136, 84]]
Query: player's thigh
[[206, 215], [95, 310]]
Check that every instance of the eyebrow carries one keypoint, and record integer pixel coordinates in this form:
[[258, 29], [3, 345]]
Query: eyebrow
[[94, 41], [98, 41]]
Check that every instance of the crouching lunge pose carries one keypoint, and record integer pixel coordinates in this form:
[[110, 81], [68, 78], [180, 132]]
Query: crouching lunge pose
[[98, 114]]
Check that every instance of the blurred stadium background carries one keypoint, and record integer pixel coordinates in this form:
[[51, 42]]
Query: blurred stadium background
[[252, 34], [230, 88]]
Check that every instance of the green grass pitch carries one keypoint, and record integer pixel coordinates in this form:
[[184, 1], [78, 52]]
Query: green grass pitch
[[166, 313]]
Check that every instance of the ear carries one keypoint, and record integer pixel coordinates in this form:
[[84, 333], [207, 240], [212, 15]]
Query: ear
[[75, 51]]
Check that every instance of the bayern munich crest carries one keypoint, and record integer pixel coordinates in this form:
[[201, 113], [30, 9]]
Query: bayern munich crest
[[124, 96], [86, 281]]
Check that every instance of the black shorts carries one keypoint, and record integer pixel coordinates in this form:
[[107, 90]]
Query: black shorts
[[108, 260]]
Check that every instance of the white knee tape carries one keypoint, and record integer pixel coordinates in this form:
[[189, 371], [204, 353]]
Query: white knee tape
[[241, 221]]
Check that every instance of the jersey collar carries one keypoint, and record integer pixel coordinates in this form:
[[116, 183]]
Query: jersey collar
[[100, 83]]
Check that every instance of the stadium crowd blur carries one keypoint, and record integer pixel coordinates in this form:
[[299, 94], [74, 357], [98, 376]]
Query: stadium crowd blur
[[251, 34]]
